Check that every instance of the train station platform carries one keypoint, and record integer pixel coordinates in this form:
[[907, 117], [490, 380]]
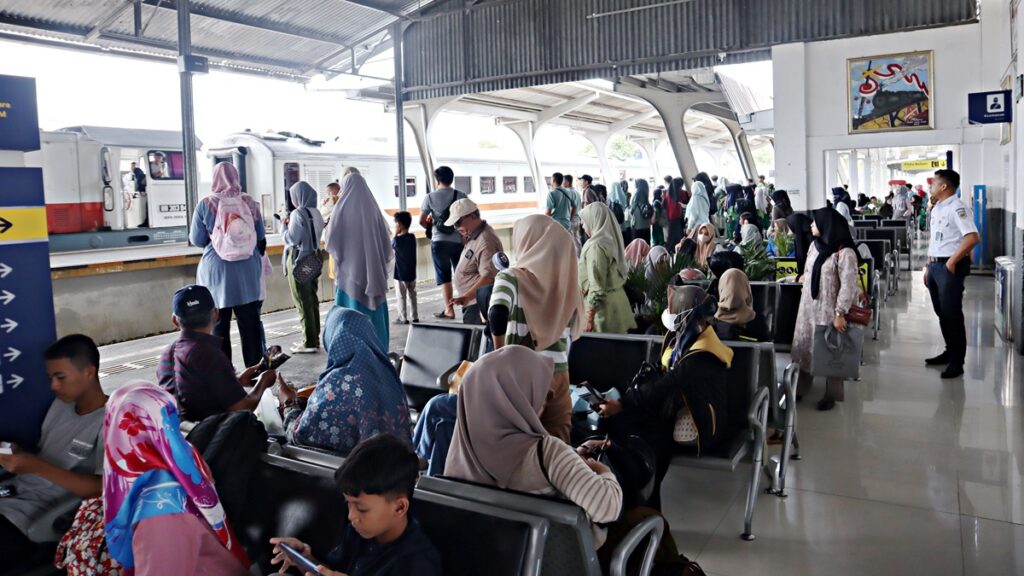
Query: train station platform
[[911, 474]]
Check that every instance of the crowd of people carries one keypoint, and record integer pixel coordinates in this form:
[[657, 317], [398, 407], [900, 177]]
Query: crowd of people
[[150, 501]]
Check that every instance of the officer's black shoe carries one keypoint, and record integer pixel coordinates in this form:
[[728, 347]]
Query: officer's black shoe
[[952, 371], [938, 360]]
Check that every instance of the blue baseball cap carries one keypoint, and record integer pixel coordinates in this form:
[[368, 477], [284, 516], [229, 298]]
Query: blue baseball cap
[[193, 302]]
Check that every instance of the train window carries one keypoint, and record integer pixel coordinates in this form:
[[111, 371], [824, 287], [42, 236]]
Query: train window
[[410, 186], [291, 177], [166, 165], [509, 184], [464, 184], [528, 186], [487, 184]]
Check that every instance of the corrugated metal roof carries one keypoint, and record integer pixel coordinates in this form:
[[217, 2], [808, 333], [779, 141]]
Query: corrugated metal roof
[[295, 38], [505, 44]]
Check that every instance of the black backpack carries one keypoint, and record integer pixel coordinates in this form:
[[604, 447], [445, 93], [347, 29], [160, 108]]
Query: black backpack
[[646, 212], [231, 444], [440, 225]]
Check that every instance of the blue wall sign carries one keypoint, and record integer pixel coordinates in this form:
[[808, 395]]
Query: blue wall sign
[[19, 119], [989, 107]]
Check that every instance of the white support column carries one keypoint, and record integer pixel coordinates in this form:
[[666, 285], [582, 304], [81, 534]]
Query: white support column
[[672, 107], [831, 168], [854, 172], [650, 148], [527, 134], [739, 138], [600, 142], [867, 187], [421, 117]]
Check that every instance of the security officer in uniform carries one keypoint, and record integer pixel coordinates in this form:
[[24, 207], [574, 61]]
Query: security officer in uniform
[[954, 235]]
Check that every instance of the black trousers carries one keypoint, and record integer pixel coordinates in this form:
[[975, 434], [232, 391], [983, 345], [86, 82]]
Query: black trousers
[[16, 550], [947, 291], [250, 329]]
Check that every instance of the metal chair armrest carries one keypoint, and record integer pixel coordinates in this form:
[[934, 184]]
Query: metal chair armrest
[[651, 528], [443, 380], [758, 415], [396, 361]]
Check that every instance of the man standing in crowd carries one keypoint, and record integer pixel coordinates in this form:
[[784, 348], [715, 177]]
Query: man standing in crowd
[[69, 459], [575, 224], [954, 235], [590, 194], [445, 242], [476, 268], [560, 203]]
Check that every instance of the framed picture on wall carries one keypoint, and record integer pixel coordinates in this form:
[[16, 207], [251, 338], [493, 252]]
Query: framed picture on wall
[[890, 92]]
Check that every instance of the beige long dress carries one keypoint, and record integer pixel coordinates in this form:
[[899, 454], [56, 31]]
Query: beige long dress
[[837, 292]]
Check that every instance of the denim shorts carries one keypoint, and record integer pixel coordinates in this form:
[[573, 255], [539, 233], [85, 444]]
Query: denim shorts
[[446, 258]]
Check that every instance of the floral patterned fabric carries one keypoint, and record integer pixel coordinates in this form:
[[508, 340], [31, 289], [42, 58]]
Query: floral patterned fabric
[[151, 470], [838, 291], [83, 549], [358, 396]]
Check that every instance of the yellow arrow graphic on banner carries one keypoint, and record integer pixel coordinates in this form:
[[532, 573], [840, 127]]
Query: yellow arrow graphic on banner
[[21, 224]]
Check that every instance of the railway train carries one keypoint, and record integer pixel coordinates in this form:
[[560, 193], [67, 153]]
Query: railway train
[[115, 187]]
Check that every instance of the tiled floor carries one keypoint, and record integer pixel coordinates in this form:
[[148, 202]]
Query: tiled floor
[[910, 475]]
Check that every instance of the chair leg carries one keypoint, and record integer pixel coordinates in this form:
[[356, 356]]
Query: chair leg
[[789, 437], [759, 421]]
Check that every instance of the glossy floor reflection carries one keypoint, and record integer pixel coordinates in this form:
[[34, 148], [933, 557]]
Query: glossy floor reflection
[[909, 475]]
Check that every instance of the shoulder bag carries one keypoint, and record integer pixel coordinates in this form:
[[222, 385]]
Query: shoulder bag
[[308, 268]]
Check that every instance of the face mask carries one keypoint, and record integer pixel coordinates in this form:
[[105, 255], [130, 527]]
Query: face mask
[[703, 238]]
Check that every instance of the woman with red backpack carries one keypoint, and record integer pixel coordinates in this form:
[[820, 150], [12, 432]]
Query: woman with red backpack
[[228, 226]]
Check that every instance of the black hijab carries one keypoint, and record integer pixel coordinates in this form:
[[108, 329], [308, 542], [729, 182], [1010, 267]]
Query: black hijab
[[675, 190], [687, 247], [734, 190], [834, 235], [703, 178], [862, 200], [781, 197], [800, 224]]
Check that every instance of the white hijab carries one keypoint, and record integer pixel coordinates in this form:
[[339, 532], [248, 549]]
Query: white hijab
[[360, 242]]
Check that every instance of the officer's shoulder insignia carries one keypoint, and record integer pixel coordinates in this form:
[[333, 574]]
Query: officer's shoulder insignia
[[961, 212]]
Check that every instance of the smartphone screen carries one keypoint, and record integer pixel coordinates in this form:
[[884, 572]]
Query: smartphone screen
[[304, 564], [597, 395]]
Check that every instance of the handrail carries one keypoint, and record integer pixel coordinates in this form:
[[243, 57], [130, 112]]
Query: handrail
[[654, 527]]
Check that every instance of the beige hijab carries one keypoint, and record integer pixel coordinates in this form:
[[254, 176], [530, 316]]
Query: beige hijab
[[735, 300], [546, 272], [498, 420], [705, 249]]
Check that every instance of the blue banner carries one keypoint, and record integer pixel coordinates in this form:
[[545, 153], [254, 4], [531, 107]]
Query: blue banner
[[19, 118], [989, 107], [27, 324]]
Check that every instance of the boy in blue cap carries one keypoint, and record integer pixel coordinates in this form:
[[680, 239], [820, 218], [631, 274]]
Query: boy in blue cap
[[194, 368]]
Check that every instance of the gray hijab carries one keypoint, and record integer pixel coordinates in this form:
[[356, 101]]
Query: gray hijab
[[360, 242], [500, 401], [304, 223]]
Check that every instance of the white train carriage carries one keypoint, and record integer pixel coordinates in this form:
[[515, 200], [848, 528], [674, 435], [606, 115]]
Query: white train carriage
[[94, 196]]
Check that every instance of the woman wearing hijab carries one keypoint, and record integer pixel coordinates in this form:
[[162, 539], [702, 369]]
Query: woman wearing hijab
[[359, 241], [675, 206], [800, 225], [235, 285], [657, 262], [357, 396], [640, 211], [736, 318], [696, 363], [902, 207], [500, 441], [602, 273], [783, 206], [707, 244], [830, 288], [162, 513], [637, 252], [618, 196], [750, 237], [780, 229], [698, 211], [301, 239], [844, 210], [659, 227], [537, 303]]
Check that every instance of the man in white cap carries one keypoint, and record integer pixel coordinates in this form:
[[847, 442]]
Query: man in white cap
[[476, 267]]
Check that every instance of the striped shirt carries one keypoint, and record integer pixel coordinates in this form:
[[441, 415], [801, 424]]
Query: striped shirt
[[565, 474], [506, 293]]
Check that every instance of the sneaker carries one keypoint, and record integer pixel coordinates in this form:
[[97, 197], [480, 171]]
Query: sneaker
[[301, 348]]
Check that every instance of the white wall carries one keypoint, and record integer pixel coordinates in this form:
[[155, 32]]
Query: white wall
[[811, 102]]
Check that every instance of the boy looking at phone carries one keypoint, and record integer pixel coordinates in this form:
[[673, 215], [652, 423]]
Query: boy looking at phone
[[377, 479]]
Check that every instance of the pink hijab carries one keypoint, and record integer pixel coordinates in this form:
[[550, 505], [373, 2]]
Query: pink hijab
[[151, 470], [637, 252], [227, 184]]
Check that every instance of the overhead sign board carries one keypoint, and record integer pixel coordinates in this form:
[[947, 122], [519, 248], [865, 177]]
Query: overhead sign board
[[19, 118], [989, 107], [919, 165]]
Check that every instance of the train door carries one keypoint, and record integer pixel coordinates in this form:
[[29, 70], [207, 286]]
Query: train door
[[163, 202]]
